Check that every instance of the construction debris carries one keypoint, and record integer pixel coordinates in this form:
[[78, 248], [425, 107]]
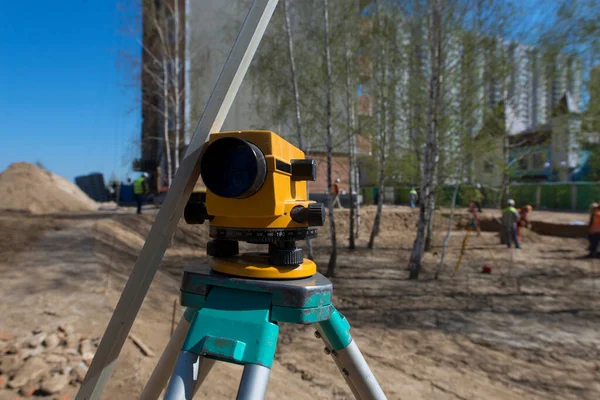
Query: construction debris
[[44, 363], [143, 348]]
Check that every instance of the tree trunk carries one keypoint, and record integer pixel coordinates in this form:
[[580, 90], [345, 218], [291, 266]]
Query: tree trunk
[[429, 237], [176, 84], [505, 193], [333, 256], [290, 40], [428, 171], [166, 120], [382, 129], [357, 183], [351, 144]]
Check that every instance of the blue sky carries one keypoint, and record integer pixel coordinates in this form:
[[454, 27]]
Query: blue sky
[[65, 100]]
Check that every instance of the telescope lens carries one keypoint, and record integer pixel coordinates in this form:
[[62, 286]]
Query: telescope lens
[[233, 168]]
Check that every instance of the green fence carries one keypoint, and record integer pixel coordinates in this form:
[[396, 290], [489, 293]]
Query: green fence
[[575, 196]]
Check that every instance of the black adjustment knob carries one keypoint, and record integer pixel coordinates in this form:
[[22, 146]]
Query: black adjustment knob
[[286, 257], [195, 212], [222, 248], [304, 170], [313, 215], [316, 214]]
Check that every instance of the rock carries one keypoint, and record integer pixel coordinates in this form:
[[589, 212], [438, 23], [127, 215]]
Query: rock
[[51, 341], [72, 355], [28, 353], [9, 364], [54, 384], [6, 336], [56, 359], [73, 340], [29, 389], [66, 328], [86, 349], [36, 340], [13, 348], [79, 371], [33, 369]]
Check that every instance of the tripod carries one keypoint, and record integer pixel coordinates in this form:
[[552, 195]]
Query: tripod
[[234, 319]]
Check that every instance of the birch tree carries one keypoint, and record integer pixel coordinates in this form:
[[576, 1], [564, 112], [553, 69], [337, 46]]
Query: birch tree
[[160, 72], [430, 152], [328, 84]]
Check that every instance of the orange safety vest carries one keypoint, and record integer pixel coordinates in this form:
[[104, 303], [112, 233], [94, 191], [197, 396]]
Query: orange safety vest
[[595, 225]]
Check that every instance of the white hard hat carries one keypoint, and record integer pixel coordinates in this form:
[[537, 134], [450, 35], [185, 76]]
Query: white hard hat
[[145, 175], [337, 180], [511, 202], [479, 186]]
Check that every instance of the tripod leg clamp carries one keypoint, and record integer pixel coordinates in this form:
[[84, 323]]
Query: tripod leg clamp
[[234, 326], [336, 330]]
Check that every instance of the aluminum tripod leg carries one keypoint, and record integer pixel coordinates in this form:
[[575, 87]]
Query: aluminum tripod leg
[[164, 368], [190, 370], [253, 385], [349, 359]]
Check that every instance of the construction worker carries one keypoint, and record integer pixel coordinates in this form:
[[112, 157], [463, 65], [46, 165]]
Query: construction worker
[[594, 230], [510, 219], [335, 193], [478, 197], [474, 222], [523, 219], [413, 197], [140, 190]]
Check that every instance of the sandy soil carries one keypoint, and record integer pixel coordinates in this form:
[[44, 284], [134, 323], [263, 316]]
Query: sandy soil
[[528, 330]]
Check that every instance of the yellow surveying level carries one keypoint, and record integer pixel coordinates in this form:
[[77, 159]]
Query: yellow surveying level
[[256, 193]]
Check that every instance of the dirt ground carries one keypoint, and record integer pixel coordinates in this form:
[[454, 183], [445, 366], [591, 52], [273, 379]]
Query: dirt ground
[[528, 330]]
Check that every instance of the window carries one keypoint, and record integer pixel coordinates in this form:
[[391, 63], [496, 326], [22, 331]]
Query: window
[[538, 160], [488, 166], [522, 163]]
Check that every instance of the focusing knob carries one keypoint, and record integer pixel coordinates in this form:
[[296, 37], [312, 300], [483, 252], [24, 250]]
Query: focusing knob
[[195, 212], [316, 214], [313, 215], [286, 257], [222, 248]]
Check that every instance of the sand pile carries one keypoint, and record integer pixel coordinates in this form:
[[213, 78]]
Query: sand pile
[[25, 187]]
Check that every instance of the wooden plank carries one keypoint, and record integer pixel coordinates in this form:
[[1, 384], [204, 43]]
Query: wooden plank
[[141, 345], [168, 216]]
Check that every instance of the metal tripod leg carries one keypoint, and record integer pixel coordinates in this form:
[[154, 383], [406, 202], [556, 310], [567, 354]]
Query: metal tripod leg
[[190, 370], [335, 332], [253, 385], [160, 376]]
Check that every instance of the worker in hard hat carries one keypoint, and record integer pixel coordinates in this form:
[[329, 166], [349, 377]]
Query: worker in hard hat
[[478, 197], [474, 222], [524, 222], [594, 229], [140, 190], [510, 220], [335, 193], [412, 195]]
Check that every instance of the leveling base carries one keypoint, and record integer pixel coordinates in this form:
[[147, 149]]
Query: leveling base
[[235, 320], [256, 265]]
